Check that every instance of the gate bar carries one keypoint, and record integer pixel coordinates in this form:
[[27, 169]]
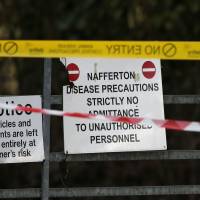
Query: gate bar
[[46, 128]]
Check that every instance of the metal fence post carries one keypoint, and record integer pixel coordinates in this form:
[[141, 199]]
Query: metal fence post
[[46, 128]]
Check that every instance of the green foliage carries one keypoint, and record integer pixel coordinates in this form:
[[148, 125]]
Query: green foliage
[[92, 19]]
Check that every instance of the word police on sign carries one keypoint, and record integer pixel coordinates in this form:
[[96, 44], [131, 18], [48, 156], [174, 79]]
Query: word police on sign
[[21, 138], [116, 87]]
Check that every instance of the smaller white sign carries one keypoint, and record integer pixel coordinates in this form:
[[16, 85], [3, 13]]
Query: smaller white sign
[[21, 138]]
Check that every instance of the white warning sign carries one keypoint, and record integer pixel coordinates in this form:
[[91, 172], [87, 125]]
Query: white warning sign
[[21, 138], [116, 87]]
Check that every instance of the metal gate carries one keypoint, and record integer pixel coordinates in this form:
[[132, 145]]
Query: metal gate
[[45, 192]]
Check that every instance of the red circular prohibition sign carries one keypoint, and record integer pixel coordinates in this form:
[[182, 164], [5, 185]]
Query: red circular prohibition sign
[[148, 69], [73, 72]]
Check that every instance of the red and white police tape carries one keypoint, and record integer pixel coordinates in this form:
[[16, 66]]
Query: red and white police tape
[[167, 123]]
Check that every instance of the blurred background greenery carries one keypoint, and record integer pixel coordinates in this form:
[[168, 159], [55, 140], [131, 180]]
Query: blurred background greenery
[[103, 20]]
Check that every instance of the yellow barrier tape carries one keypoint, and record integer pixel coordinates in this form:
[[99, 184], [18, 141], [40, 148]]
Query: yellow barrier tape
[[108, 49]]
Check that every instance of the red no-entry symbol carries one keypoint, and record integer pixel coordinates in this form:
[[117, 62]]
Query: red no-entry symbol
[[148, 69], [73, 72]]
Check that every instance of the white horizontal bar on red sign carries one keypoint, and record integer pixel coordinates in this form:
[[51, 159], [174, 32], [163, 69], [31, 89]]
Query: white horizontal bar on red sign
[[167, 123], [73, 72], [150, 69]]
